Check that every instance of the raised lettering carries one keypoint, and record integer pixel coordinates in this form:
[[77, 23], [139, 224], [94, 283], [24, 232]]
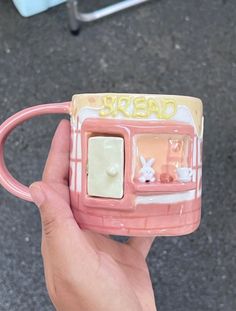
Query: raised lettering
[[168, 109], [153, 107], [108, 106], [140, 108], [123, 105]]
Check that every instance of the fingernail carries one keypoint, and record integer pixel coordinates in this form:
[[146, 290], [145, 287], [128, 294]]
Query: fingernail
[[37, 194]]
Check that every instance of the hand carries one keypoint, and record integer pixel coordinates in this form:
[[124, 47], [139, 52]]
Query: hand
[[86, 271]]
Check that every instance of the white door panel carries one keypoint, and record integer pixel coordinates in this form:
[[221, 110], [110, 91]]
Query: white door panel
[[105, 166]]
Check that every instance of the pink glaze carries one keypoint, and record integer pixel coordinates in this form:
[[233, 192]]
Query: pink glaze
[[6, 179], [157, 219]]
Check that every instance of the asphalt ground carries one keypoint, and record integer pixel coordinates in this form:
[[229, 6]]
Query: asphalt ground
[[172, 47]]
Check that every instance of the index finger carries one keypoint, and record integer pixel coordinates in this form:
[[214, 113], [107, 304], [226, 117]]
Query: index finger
[[57, 165]]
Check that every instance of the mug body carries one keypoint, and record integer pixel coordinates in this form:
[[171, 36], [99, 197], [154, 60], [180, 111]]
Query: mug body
[[136, 163]]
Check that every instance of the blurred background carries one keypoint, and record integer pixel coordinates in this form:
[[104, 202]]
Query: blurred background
[[175, 47]]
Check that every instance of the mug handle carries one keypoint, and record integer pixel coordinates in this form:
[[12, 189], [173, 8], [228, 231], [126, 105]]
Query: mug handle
[[6, 179]]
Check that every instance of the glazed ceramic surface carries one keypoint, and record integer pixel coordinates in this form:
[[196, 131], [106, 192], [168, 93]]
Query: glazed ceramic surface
[[135, 162]]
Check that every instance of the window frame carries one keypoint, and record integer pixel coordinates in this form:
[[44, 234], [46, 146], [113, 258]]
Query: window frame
[[127, 129]]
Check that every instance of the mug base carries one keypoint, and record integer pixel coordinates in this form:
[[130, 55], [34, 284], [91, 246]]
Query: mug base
[[188, 229], [174, 219]]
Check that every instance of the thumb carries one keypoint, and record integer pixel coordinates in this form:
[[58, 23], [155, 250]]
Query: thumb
[[61, 235], [54, 210]]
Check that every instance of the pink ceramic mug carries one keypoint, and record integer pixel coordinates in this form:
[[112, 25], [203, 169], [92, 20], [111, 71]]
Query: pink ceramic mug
[[120, 146]]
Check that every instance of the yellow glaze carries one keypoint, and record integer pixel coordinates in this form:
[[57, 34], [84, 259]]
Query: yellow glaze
[[138, 106], [105, 166]]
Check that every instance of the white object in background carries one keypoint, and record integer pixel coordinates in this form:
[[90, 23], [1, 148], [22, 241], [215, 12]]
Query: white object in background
[[75, 16], [31, 7], [106, 166], [184, 174]]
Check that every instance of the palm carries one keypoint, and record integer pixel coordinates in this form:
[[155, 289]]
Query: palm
[[125, 261], [123, 258]]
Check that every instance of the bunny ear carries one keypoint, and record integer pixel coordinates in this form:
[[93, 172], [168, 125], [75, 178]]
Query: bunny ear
[[143, 161], [150, 162]]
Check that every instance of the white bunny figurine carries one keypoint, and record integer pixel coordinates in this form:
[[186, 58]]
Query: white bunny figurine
[[147, 172]]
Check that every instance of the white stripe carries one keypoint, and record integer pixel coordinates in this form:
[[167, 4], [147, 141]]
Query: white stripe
[[78, 177], [194, 175], [72, 178], [202, 129], [194, 151], [77, 123], [199, 191], [73, 145], [166, 198], [79, 146], [199, 151]]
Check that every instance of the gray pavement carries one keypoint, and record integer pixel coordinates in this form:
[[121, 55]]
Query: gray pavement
[[179, 47]]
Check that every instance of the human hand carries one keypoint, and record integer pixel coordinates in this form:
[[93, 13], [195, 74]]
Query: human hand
[[86, 271]]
